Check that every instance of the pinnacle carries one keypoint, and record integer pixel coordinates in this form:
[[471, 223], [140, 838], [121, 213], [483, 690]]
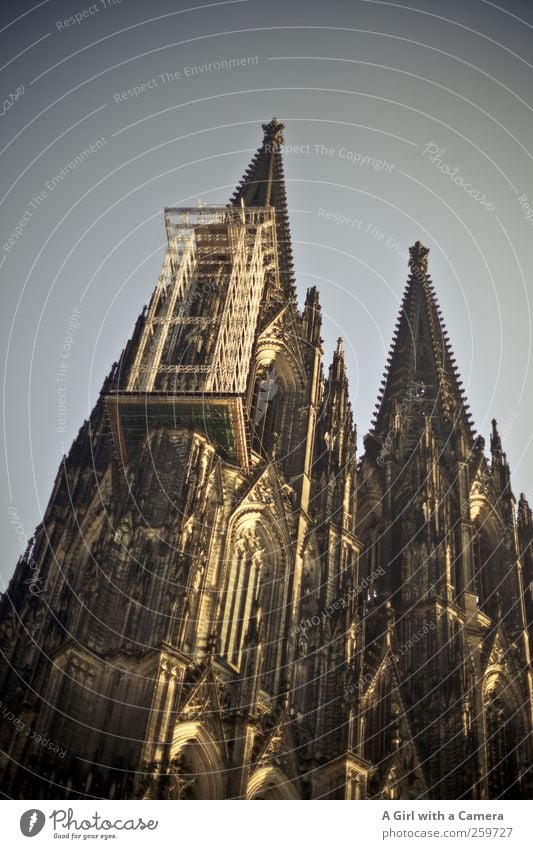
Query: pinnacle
[[337, 369], [312, 297], [418, 258], [495, 440], [273, 131]]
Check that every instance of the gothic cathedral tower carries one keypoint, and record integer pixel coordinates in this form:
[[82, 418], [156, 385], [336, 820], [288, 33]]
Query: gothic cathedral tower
[[447, 702], [227, 606]]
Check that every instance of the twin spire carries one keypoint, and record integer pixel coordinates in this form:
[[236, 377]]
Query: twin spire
[[421, 379], [421, 367], [263, 184]]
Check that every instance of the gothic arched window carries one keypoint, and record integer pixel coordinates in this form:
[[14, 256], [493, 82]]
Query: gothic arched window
[[241, 591], [489, 569], [506, 742], [254, 589], [267, 409], [278, 394]]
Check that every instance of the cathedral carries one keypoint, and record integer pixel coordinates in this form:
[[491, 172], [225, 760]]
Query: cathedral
[[224, 600]]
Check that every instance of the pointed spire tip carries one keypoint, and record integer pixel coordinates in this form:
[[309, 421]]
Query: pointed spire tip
[[273, 131], [418, 257]]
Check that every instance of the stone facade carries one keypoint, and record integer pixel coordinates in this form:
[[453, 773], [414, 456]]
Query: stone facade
[[227, 604]]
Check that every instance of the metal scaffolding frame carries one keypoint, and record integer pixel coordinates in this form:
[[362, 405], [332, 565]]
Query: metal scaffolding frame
[[229, 250]]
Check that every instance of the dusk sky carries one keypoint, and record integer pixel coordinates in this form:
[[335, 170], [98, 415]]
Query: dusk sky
[[114, 110]]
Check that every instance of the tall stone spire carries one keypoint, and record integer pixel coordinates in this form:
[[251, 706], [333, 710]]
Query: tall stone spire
[[263, 184], [421, 379], [439, 522]]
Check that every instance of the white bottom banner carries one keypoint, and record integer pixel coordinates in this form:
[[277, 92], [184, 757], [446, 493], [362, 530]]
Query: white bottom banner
[[279, 823]]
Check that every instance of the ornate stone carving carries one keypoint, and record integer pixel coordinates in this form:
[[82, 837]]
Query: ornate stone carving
[[262, 493], [179, 781]]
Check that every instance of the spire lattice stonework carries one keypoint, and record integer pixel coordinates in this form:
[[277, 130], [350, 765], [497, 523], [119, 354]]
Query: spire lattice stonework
[[421, 377]]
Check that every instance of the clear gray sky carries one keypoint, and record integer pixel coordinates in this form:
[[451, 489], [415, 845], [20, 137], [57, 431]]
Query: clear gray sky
[[412, 120]]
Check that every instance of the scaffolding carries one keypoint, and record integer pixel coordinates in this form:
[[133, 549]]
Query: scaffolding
[[199, 330], [192, 363]]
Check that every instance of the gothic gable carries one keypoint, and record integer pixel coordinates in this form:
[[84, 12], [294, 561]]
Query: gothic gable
[[268, 493]]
